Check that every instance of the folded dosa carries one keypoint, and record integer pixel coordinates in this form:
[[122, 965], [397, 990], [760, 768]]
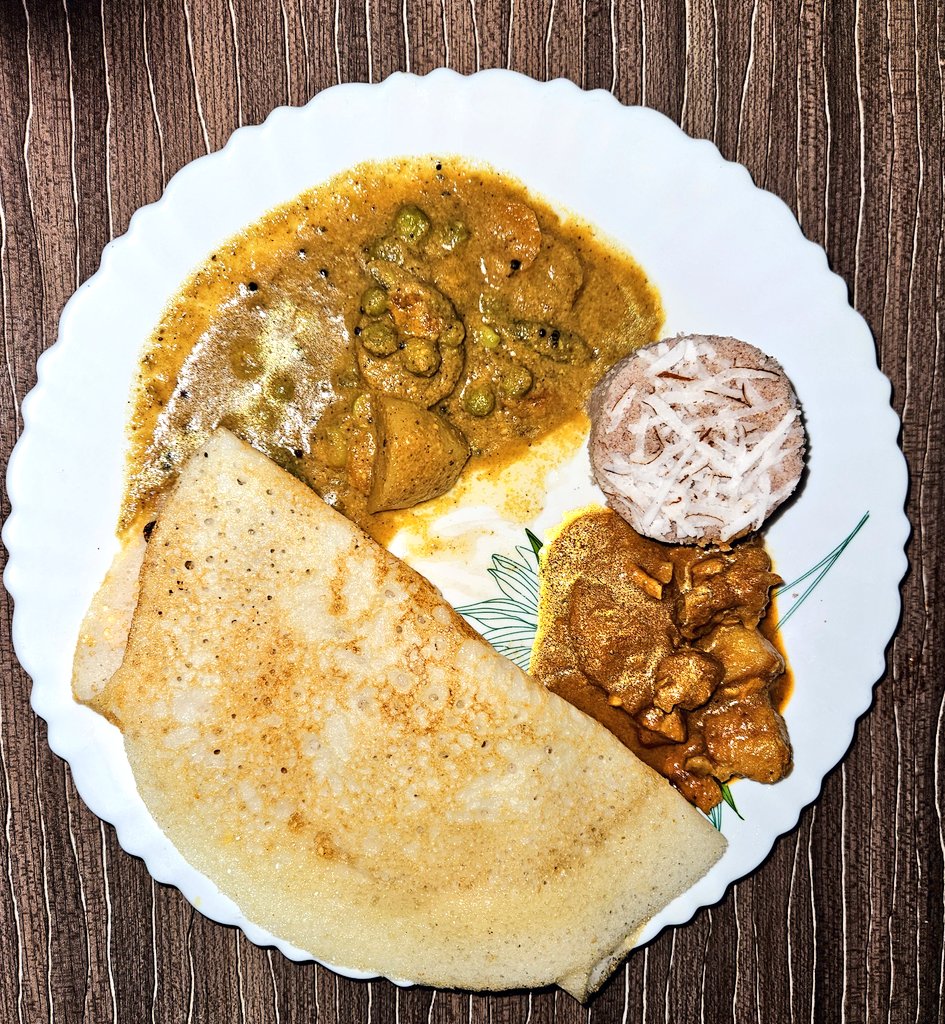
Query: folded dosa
[[317, 731], [103, 635]]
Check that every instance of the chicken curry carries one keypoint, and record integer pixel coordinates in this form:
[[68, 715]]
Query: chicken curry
[[661, 643]]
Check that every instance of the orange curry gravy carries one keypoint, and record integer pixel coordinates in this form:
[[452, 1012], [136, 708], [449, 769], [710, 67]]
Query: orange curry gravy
[[661, 643], [430, 282]]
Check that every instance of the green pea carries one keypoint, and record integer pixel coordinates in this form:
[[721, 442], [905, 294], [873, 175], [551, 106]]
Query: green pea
[[478, 400], [362, 407], [421, 358], [282, 387], [517, 382], [348, 378], [246, 361], [454, 234], [452, 336], [336, 448], [487, 337], [389, 249], [374, 301], [379, 338], [411, 224]]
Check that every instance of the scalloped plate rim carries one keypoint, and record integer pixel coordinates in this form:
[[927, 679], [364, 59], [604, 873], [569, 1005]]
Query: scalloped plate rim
[[243, 138]]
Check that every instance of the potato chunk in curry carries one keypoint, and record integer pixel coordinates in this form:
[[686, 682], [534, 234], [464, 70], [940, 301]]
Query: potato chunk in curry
[[419, 455]]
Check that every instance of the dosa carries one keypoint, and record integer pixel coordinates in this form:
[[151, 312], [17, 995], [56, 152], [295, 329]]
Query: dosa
[[318, 732]]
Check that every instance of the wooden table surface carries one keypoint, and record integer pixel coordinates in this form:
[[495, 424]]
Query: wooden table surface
[[835, 106]]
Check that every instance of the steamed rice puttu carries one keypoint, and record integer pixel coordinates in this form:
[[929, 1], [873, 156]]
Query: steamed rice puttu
[[696, 439]]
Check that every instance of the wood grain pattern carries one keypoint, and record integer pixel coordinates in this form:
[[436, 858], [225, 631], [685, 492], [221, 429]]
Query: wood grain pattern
[[837, 107]]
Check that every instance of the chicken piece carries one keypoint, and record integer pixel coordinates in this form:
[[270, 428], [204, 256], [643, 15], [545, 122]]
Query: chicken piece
[[640, 560], [669, 726], [687, 678], [746, 737], [619, 637], [716, 587], [596, 624], [701, 790], [745, 654], [418, 309], [698, 711], [513, 240], [548, 290]]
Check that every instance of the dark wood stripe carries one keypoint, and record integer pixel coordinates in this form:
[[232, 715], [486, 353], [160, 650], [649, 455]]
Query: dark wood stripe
[[835, 106]]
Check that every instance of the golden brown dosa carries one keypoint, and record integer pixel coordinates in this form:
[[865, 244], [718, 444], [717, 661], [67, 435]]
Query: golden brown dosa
[[319, 733], [103, 634]]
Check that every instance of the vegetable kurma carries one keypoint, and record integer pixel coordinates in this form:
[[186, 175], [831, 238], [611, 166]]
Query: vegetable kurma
[[377, 332]]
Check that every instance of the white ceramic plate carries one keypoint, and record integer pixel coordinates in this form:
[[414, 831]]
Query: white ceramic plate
[[727, 259]]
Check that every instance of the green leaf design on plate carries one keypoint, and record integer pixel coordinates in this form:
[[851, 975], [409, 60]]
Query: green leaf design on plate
[[715, 815], [727, 797], [818, 571], [536, 544], [510, 622]]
